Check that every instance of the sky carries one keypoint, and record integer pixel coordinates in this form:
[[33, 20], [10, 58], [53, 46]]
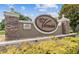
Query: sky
[[31, 10]]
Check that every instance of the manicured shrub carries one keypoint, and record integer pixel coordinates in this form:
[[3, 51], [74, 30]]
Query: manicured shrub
[[67, 45]]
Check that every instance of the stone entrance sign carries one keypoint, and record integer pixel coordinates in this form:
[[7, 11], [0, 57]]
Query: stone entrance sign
[[46, 24]]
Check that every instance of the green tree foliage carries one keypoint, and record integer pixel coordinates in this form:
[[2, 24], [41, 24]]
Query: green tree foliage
[[71, 11], [22, 17], [2, 25]]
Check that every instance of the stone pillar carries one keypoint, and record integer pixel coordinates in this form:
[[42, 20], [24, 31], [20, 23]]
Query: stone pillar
[[11, 25], [65, 25]]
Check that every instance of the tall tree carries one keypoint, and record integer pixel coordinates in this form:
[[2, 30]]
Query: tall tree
[[71, 11], [22, 17], [2, 25]]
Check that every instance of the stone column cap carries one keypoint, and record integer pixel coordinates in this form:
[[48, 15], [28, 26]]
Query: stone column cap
[[64, 19], [11, 14]]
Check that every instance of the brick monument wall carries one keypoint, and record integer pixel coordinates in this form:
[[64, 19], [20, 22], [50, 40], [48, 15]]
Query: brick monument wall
[[11, 26]]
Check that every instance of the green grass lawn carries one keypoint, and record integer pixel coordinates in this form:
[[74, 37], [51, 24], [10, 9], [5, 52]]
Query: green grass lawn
[[2, 32]]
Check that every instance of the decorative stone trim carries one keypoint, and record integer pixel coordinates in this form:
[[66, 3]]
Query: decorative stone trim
[[25, 21], [11, 14]]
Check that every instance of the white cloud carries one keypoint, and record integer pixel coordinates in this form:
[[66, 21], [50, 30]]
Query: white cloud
[[23, 8], [29, 15], [42, 10], [11, 6], [54, 14], [1, 16], [46, 6]]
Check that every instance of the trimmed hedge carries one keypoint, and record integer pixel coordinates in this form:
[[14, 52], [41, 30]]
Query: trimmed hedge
[[68, 45]]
